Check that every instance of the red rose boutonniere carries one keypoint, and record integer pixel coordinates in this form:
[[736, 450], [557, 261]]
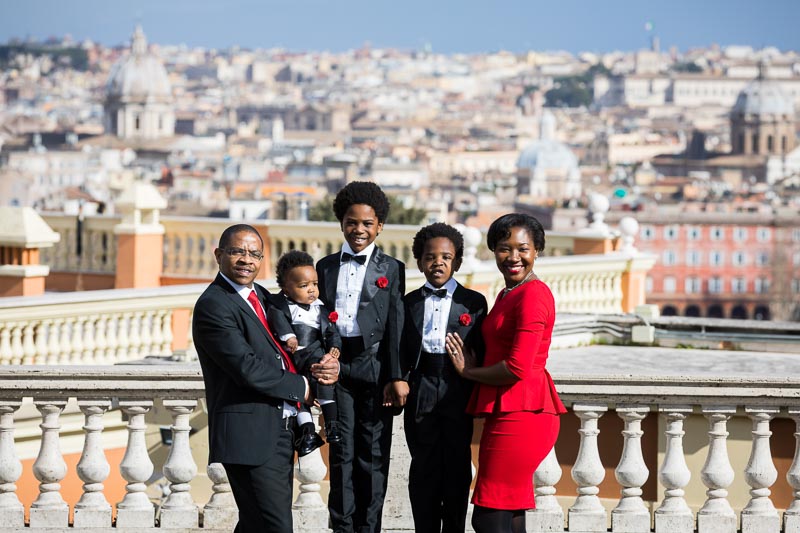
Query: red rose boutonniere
[[465, 319], [382, 282], [333, 316]]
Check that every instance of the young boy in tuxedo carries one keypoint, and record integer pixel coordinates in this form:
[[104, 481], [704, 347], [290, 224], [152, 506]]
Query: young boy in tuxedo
[[438, 430], [308, 331], [365, 287]]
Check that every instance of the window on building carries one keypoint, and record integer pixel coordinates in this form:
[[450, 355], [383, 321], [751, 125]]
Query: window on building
[[671, 232], [693, 258], [717, 233], [668, 258], [783, 144], [716, 258], [739, 259], [715, 285], [796, 286], [648, 284], [669, 284], [769, 143], [796, 235], [741, 142], [739, 285], [761, 285], [648, 233], [763, 234], [740, 234], [136, 123], [692, 285], [762, 259], [796, 259], [693, 233], [755, 143]]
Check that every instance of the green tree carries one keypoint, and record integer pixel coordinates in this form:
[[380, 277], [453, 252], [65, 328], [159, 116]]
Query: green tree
[[322, 211]]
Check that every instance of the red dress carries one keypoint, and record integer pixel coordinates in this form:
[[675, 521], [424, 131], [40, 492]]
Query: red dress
[[521, 423]]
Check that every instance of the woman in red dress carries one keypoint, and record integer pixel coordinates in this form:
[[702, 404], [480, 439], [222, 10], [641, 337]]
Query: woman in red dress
[[513, 391]]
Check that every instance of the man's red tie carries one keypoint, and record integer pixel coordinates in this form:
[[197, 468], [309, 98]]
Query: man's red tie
[[253, 299]]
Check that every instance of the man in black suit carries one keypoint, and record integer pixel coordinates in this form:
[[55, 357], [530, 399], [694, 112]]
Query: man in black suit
[[365, 286], [438, 430], [252, 392]]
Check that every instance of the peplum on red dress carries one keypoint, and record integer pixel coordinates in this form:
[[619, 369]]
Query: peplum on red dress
[[521, 419]]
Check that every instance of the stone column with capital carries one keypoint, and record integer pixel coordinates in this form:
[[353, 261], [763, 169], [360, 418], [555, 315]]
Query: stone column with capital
[[22, 234], [140, 237]]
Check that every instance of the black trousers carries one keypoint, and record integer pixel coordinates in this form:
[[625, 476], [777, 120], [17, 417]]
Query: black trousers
[[263, 493], [359, 464], [439, 433]]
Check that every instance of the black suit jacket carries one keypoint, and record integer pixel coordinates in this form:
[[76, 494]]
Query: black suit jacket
[[245, 382], [380, 312], [465, 301], [279, 318]]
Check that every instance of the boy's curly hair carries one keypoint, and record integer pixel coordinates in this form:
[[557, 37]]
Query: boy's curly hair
[[290, 260], [361, 192], [432, 231]]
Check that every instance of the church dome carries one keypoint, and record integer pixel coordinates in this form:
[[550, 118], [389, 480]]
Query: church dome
[[547, 152], [763, 97], [140, 76]]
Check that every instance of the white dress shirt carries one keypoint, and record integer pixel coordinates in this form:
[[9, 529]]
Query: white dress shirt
[[348, 291], [434, 322], [301, 316]]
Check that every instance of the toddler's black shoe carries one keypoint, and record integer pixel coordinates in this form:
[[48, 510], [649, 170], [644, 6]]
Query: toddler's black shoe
[[332, 433]]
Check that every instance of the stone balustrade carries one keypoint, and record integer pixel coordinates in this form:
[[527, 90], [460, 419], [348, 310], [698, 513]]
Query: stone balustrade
[[134, 390], [110, 326], [98, 244]]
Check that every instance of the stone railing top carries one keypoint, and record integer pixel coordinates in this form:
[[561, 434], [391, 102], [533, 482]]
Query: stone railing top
[[607, 374]]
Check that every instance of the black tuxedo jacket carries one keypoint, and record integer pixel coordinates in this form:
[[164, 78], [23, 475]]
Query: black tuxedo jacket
[[465, 301], [279, 318], [245, 382], [380, 312]]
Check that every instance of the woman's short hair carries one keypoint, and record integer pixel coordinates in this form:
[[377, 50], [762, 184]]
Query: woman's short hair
[[501, 230]]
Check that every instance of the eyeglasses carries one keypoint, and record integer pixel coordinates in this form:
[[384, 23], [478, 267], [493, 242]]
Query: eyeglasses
[[241, 252]]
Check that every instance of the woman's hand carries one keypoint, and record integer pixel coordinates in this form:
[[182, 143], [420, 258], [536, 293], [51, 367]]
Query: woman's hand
[[462, 359]]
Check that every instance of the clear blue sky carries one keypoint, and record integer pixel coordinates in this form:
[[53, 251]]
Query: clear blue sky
[[448, 25]]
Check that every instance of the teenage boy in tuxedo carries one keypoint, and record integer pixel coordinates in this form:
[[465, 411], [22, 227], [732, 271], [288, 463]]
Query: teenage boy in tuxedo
[[438, 430], [365, 287]]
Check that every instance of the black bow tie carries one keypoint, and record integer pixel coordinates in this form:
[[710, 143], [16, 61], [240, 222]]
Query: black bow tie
[[360, 259], [305, 307], [439, 293]]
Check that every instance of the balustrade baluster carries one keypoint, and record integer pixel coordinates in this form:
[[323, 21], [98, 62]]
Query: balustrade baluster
[[5, 344], [49, 509], [65, 341], [631, 515], [93, 510], [12, 513], [220, 512], [587, 513], [156, 337], [89, 344], [717, 515], [123, 342], [760, 515], [28, 344], [17, 352], [674, 515], [41, 345], [100, 340], [791, 518], [54, 340], [548, 515], [78, 352], [135, 509], [166, 332], [179, 510], [145, 332], [134, 336]]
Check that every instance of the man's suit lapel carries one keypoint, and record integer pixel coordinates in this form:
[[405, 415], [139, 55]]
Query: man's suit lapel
[[245, 307], [376, 268], [331, 279], [416, 312]]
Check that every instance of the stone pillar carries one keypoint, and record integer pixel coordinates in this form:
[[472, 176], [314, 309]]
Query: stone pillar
[[140, 237], [22, 234]]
